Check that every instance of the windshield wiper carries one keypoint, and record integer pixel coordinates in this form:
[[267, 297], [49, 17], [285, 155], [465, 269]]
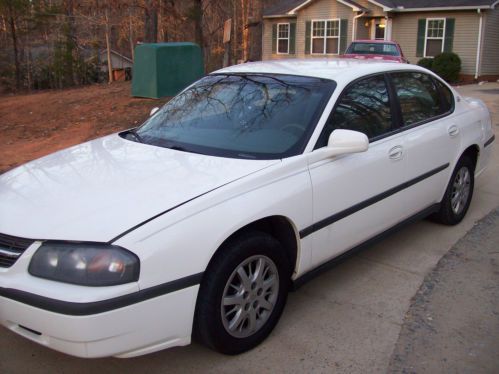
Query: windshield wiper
[[178, 148], [245, 155], [136, 135]]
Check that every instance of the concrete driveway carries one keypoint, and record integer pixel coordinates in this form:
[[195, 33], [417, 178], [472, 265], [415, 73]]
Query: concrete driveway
[[452, 325], [346, 320]]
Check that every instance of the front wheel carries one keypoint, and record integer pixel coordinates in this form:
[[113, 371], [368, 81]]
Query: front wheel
[[243, 294], [458, 194]]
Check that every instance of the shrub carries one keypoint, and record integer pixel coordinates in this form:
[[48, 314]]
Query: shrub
[[447, 65], [426, 63]]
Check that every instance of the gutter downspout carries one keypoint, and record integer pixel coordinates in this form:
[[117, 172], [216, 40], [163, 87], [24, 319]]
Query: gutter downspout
[[355, 24], [479, 44]]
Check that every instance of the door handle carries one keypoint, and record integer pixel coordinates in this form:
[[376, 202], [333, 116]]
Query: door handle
[[453, 131], [396, 153]]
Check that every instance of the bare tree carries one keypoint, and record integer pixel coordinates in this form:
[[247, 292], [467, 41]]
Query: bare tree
[[14, 10], [58, 43], [108, 46], [150, 21]]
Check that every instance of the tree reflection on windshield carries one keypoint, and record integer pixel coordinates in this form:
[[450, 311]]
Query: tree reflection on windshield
[[245, 116]]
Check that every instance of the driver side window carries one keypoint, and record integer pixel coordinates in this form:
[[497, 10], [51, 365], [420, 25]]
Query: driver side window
[[363, 107]]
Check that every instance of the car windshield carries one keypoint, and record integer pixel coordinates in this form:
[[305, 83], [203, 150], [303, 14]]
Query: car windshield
[[386, 49], [240, 116]]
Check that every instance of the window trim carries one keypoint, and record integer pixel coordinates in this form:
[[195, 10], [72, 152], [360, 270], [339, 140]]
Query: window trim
[[426, 37], [442, 94], [325, 37], [400, 126], [395, 108], [395, 123], [278, 38]]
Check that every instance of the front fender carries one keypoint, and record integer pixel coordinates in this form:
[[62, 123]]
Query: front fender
[[182, 242]]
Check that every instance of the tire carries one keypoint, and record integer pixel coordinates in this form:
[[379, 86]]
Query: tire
[[255, 305], [458, 194]]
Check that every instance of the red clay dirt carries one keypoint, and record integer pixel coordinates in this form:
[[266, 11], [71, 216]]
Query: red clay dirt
[[34, 125]]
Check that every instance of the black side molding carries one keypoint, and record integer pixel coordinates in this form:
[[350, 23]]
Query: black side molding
[[297, 283], [364, 204], [159, 215], [85, 309], [489, 142]]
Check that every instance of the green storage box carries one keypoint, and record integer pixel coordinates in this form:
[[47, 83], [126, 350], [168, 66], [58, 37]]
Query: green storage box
[[164, 69]]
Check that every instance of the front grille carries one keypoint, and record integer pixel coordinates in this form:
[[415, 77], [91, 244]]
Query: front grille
[[11, 248]]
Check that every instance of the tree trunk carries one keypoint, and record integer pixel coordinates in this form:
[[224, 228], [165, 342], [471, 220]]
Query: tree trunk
[[198, 23], [12, 23], [151, 21], [196, 15], [29, 68], [245, 27], [234, 35], [108, 50], [71, 46], [255, 31], [161, 25], [130, 33]]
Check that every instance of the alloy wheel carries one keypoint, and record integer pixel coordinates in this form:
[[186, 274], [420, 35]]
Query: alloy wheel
[[249, 296], [460, 190]]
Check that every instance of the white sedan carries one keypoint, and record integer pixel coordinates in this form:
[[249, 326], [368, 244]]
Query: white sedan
[[247, 183]]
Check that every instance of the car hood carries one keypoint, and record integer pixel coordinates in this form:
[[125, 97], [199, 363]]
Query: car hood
[[97, 190]]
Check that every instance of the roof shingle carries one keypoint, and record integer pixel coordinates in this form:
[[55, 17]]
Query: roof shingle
[[285, 6]]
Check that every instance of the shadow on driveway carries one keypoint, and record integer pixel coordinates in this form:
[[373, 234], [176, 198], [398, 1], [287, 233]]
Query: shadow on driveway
[[452, 325]]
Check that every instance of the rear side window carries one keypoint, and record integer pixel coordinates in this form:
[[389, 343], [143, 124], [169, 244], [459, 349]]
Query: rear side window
[[418, 95], [364, 106]]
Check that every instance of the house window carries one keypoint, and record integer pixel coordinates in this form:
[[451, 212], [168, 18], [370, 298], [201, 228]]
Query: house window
[[435, 33], [283, 38], [326, 37]]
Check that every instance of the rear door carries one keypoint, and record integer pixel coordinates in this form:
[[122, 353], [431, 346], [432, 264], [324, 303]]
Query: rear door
[[432, 135]]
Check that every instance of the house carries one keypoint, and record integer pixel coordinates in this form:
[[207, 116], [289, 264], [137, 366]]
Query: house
[[423, 28], [122, 65]]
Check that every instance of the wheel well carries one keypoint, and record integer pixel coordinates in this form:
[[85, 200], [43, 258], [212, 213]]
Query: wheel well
[[473, 152], [280, 228]]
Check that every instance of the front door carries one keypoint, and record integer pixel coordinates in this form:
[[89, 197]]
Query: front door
[[379, 27], [353, 197]]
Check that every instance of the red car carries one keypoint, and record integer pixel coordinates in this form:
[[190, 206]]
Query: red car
[[375, 49]]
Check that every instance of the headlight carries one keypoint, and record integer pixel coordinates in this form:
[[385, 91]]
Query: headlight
[[85, 264]]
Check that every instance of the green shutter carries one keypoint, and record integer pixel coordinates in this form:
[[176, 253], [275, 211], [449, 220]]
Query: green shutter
[[308, 26], [292, 38], [343, 35], [421, 36], [274, 38], [449, 34]]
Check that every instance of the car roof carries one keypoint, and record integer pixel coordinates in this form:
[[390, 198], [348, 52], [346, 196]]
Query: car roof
[[341, 70]]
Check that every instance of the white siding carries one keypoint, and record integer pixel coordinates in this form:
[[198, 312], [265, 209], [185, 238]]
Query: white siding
[[490, 51], [321, 9], [405, 29]]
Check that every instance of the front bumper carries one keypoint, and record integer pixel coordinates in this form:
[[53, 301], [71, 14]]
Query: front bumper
[[139, 328]]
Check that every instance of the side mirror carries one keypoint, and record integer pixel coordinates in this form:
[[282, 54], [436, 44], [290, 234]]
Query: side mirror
[[346, 141], [153, 111], [341, 142]]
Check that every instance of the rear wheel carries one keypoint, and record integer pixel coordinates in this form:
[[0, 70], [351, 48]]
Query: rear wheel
[[243, 294], [458, 195]]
